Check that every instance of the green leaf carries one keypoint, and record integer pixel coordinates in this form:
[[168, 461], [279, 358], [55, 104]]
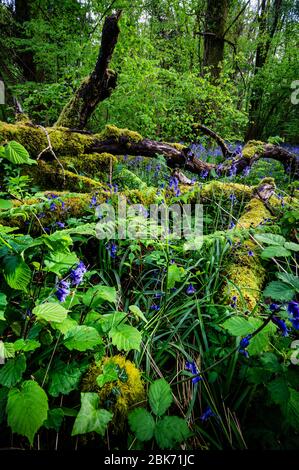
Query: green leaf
[[290, 279], [111, 320], [274, 251], [64, 378], [16, 272], [110, 374], [12, 371], [270, 362], [293, 409], [26, 345], [291, 246], [82, 338], [142, 424], [174, 275], [279, 391], [270, 239], [59, 263], [5, 204], [65, 325], [125, 337], [7, 350], [3, 401], [95, 296], [16, 153], [277, 290], [27, 409], [54, 419], [160, 397], [50, 311], [137, 312], [90, 418], [171, 430], [238, 326], [3, 304]]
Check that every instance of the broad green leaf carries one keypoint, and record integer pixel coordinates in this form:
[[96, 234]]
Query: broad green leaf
[[110, 374], [270, 239], [90, 418], [260, 342], [142, 424], [50, 311], [160, 397], [60, 263], [125, 337], [5, 204], [63, 378], [82, 338], [95, 296], [26, 345], [275, 252], [293, 409], [65, 325], [291, 246], [279, 391], [137, 312], [27, 409], [54, 419], [3, 304], [278, 290], [171, 430], [175, 274], [290, 279], [11, 372], [16, 272], [238, 326], [111, 320], [7, 350], [16, 153], [270, 362]]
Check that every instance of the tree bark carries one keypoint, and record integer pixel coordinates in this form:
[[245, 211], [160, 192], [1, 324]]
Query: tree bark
[[98, 86]]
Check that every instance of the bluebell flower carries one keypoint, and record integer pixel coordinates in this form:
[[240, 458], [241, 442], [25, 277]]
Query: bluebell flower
[[93, 201], [233, 302], [208, 413], [63, 290], [293, 308], [155, 307], [53, 206], [204, 174], [250, 253], [295, 323], [191, 366], [246, 171], [41, 215], [77, 274], [231, 225], [190, 290], [60, 224], [274, 307], [233, 198], [243, 345], [112, 249], [281, 325]]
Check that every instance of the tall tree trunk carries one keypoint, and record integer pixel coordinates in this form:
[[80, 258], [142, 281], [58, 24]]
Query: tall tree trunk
[[216, 16], [265, 35]]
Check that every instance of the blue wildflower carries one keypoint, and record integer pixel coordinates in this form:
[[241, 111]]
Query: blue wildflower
[[93, 201], [60, 224], [274, 307], [293, 308], [207, 414], [191, 366], [233, 302], [243, 345], [246, 171], [190, 290], [41, 215], [63, 290], [295, 323], [53, 206], [232, 225], [250, 253], [155, 307], [281, 325], [233, 198], [78, 273]]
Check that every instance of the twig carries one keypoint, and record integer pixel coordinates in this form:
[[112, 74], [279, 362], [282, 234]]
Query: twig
[[50, 149]]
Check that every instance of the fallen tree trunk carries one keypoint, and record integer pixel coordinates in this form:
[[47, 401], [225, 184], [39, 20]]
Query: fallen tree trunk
[[117, 141]]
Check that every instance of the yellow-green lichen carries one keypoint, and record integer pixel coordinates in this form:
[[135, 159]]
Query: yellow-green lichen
[[119, 396], [221, 189], [255, 213]]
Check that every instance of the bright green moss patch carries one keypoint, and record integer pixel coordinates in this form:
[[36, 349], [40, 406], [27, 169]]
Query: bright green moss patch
[[113, 132], [252, 148]]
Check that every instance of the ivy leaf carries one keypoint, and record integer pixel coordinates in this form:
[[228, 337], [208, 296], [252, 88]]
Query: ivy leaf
[[27, 409], [160, 397], [82, 338], [277, 290], [50, 311], [125, 337], [16, 272], [142, 424], [11, 373], [171, 430], [64, 378], [90, 418]]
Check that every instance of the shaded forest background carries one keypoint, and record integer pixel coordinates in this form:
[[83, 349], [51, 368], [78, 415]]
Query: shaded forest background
[[228, 64]]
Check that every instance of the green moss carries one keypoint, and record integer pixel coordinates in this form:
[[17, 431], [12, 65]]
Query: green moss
[[128, 180], [70, 115], [251, 148], [255, 213], [92, 165], [176, 145], [220, 189], [119, 396], [114, 132]]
